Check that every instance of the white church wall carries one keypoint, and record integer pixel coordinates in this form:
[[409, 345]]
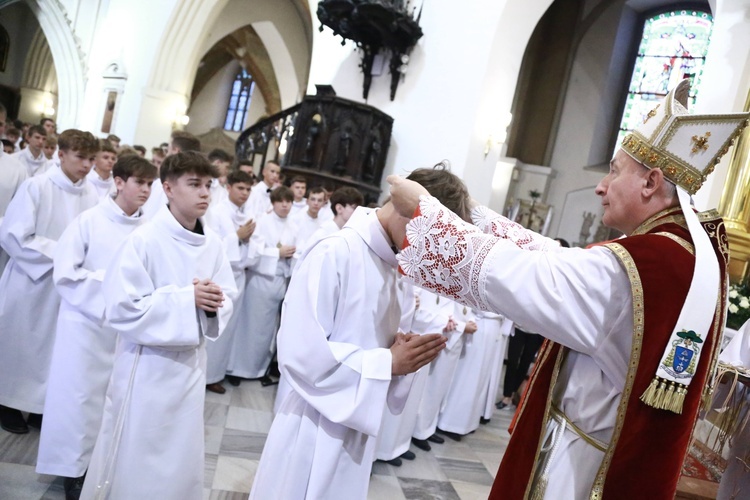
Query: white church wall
[[283, 33], [587, 109], [209, 109], [725, 83], [458, 85]]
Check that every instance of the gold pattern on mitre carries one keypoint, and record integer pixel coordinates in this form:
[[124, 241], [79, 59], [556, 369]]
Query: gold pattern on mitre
[[670, 141], [651, 113], [700, 142]]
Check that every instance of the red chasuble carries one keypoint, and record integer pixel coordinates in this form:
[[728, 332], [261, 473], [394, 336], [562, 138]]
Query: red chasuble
[[644, 458]]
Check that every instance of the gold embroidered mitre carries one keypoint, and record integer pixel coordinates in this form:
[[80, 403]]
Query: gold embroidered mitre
[[685, 147]]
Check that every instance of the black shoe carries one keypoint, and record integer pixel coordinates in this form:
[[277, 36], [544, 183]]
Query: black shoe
[[408, 455], [233, 381], [484, 421], [436, 439], [73, 487], [422, 444], [12, 420], [265, 381], [35, 420], [452, 435]]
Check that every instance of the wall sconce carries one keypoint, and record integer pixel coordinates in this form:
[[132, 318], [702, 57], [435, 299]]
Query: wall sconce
[[180, 118], [499, 136], [48, 106]]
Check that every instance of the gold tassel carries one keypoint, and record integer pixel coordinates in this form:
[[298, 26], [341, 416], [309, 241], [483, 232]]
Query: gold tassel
[[539, 489], [679, 399], [649, 396], [668, 396], [661, 394]]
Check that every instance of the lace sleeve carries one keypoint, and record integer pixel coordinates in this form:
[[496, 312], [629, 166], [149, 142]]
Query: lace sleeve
[[490, 222], [446, 255]]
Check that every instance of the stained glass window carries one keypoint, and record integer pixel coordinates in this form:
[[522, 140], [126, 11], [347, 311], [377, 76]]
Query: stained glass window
[[239, 101], [673, 47]]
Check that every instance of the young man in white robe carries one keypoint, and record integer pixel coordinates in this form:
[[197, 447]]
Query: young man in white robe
[[308, 221], [438, 312], [229, 219], [221, 160], [340, 352], [465, 402], [179, 142], [345, 201], [84, 344], [12, 175], [168, 289], [259, 203], [36, 217], [395, 435], [101, 177], [299, 188], [275, 235], [32, 156]]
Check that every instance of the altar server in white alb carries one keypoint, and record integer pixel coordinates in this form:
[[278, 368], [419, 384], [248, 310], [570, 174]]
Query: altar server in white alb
[[344, 201], [230, 220], [437, 311], [32, 156], [308, 221], [12, 175], [168, 289], [179, 142], [298, 185], [465, 403], [36, 217], [100, 176], [275, 237], [84, 344], [396, 428], [340, 352], [259, 203]]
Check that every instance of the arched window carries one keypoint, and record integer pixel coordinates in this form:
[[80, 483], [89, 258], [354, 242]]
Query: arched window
[[673, 47], [239, 101]]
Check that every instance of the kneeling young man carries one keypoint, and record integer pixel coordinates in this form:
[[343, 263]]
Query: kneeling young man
[[339, 352], [168, 288]]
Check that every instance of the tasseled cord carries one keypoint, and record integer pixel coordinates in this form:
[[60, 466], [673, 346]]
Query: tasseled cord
[[665, 395]]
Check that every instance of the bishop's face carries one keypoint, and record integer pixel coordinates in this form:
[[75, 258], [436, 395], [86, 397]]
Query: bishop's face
[[620, 191]]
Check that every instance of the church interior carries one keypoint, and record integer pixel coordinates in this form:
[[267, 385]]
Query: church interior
[[526, 99]]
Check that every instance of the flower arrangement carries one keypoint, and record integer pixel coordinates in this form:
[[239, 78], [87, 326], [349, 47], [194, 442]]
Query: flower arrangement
[[738, 310]]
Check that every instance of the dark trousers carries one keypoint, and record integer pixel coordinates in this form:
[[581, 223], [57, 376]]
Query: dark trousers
[[522, 348]]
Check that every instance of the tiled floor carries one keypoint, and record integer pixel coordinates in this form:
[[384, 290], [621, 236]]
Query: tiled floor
[[236, 427]]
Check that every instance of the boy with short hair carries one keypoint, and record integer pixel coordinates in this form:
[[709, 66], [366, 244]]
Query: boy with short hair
[[260, 197], [230, 220], [180, 142], [85, 345], [308, 221], [36, 217], [275, 235], [338, 350], [13, 135], [221, 160], [101, 175], [344, 201], [50, 146], [168, 288], [299, 188], [33, 156], [157, 157]]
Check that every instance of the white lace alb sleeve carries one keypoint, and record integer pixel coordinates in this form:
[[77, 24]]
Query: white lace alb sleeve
[[490, 222]]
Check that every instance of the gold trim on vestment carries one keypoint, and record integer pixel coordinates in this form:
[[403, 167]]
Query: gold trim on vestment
[[592, 441], [545, 421], [666, 216], [680, 241], [636, 288]]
